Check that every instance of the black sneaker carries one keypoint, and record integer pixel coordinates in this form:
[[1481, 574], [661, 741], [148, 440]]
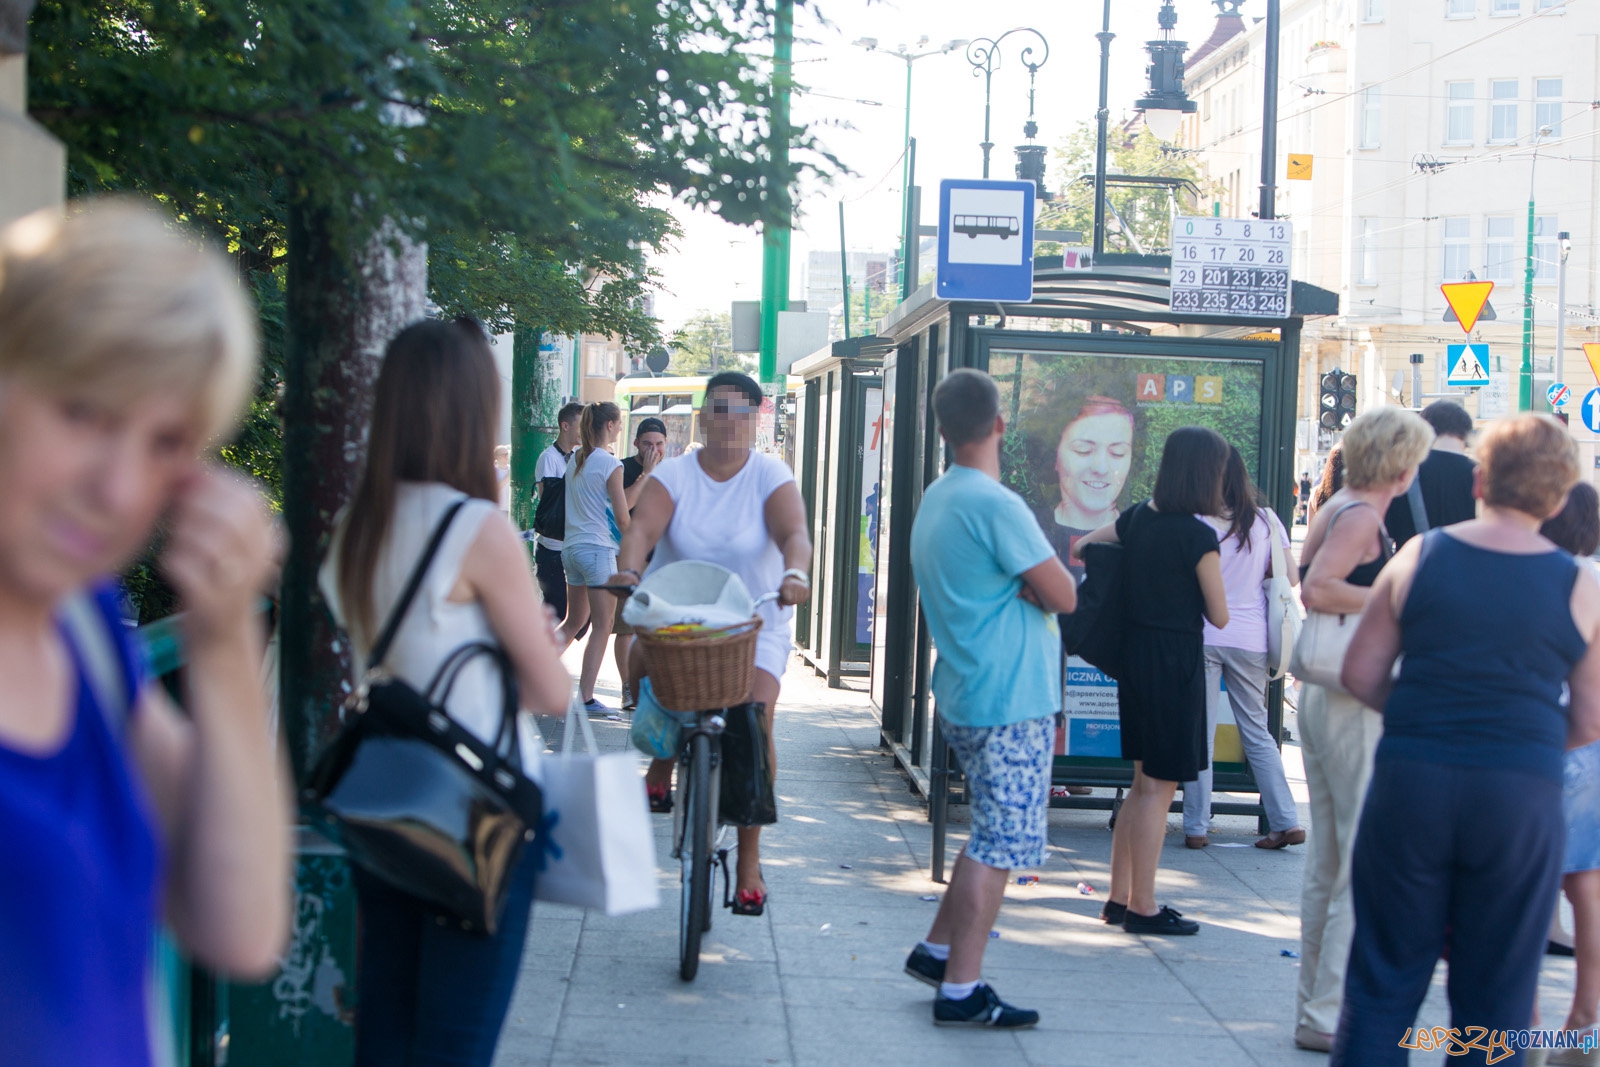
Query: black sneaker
[[922, 966], [1166, 921], [1113, 913], [983, 1008]]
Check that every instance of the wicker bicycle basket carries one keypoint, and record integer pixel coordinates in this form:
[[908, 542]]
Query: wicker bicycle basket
[[701, 670]]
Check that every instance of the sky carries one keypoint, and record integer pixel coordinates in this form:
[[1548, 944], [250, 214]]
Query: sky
[[854, 101]]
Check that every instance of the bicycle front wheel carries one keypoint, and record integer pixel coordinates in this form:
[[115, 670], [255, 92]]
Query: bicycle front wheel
[[695, 858]]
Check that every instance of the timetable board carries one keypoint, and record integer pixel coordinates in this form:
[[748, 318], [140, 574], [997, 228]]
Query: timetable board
[[1231, 266]]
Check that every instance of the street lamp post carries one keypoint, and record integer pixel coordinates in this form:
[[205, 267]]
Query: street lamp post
[[984, 55], [1164, 105], [1564, 243], [1101, 116], [1525, 377], [905, 55]]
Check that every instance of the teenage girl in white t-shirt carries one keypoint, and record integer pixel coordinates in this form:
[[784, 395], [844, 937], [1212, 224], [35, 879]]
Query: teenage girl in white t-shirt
[[728, 505], [597, 513]]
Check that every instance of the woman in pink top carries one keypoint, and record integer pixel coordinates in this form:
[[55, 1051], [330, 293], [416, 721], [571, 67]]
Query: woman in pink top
[[1238, 653]]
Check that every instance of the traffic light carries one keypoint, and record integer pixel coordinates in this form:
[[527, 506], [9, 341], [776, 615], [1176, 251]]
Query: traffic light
[[1338, 400]]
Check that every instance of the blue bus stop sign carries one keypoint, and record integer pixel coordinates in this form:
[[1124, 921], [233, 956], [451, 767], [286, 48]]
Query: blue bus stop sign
[[985, 240]]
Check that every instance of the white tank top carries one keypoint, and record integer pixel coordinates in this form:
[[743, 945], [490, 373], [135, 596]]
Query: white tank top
[[434, 625]]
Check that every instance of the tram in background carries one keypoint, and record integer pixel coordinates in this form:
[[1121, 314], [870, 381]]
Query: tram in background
[[676, 402]]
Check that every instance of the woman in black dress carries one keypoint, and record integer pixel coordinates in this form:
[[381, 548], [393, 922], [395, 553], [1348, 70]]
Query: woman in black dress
[[1171, 579]]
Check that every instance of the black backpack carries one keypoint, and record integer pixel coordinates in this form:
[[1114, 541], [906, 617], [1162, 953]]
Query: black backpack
[[1094, 631], [550, 515]]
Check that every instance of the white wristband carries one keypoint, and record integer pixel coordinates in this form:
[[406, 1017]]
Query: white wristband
[[798, 575]]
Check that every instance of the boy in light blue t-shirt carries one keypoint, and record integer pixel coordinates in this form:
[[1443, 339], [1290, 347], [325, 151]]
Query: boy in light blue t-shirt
[[990, 585]]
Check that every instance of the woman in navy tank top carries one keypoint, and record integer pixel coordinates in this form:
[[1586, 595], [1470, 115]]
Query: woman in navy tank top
[[126, 347], [1461, 842]]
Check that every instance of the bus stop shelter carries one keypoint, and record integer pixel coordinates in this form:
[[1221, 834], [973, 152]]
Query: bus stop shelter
[[1094, 373], [839, 416]]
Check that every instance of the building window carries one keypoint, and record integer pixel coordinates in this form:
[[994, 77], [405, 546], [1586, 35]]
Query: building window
[[1457, 248], [1458, 113], [1505, 7], [1545, 252], [1500, 248], [1460, 9], [1502, 110], [1547, 104], [1371, 116], [1558, 6], [1371, 10], [597, 361], [1367, 252]]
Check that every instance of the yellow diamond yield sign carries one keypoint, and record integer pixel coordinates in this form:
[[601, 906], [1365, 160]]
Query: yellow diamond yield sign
[[1592, 350], [1467, 300]]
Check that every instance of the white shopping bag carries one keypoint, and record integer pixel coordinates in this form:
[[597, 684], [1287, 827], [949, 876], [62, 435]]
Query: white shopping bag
[[601, 852]]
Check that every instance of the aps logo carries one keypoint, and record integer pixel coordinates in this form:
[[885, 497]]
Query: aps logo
[[1179, 389]]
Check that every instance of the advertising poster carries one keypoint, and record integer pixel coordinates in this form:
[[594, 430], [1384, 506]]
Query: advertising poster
[[867, 556], [1084, 434]]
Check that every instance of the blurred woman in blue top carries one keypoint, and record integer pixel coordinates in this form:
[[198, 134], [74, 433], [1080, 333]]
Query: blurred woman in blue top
[[126, 347], [990, 585], [1461, 839]]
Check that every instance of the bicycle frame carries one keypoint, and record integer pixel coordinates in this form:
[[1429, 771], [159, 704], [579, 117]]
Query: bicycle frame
[[711, 724]]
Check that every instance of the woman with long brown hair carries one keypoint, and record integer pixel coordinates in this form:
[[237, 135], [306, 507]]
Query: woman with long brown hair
[[430, 989], [597, 513]]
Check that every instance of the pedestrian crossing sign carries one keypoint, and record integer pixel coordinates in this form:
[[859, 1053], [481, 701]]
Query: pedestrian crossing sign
[[1468, 365]]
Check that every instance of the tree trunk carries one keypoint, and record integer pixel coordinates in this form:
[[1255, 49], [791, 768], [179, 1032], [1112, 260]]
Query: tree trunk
[[537, 382], [342, 308]]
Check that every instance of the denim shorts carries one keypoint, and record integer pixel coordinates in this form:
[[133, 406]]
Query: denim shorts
[[588, 564], [1008, 777]]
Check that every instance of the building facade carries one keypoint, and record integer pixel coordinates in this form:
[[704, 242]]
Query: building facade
[[1428, 124]]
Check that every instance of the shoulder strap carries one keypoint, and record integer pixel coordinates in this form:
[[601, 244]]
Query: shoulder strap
[[380, 648], [86, 626], [1419, 514], [1280, 568]]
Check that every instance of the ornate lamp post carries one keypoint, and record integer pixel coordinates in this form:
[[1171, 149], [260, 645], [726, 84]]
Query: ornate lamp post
[[1166, 103], [984, 55]]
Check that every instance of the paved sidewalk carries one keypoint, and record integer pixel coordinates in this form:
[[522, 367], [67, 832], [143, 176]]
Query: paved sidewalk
[[817, 980]]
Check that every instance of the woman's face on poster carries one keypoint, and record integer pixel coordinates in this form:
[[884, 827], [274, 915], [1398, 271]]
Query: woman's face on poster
[[1092, 463]]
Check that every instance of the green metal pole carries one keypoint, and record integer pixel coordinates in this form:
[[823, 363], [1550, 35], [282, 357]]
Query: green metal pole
[[775, 250], [1525, 379], [536, 382], [844, 272], [906, 224]]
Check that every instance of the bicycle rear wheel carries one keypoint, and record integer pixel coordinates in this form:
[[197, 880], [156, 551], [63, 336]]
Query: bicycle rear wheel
[[695, 859]]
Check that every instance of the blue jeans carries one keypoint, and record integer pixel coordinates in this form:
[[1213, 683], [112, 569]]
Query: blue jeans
[[1464, 859], [432, 995]]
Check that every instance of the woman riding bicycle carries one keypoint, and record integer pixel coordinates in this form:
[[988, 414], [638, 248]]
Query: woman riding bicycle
[[728, 505]]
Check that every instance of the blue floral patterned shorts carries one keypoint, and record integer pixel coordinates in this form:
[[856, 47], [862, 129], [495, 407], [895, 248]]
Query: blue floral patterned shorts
[[1008, 777]]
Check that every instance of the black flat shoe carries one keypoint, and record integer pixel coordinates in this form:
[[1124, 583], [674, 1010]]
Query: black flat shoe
[[1167, 921], [1113, 913]]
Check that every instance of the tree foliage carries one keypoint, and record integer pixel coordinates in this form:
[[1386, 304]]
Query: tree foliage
[[1146, 211], [529, 144], [705, 345]]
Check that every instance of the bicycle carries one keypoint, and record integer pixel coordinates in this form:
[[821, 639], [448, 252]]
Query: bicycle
[[697, 833], [697, 830]]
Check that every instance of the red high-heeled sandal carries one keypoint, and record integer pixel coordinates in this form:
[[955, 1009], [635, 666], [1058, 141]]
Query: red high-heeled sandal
[[660, 799]]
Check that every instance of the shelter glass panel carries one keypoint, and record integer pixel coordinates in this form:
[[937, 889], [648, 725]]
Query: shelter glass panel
[[1084, 435]]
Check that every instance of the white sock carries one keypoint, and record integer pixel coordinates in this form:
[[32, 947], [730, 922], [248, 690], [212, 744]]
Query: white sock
[[958, 990], [938, 952]]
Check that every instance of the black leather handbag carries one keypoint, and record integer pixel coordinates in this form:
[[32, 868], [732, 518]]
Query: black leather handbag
[[1094, 631], [416, 799], [747, 797]]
